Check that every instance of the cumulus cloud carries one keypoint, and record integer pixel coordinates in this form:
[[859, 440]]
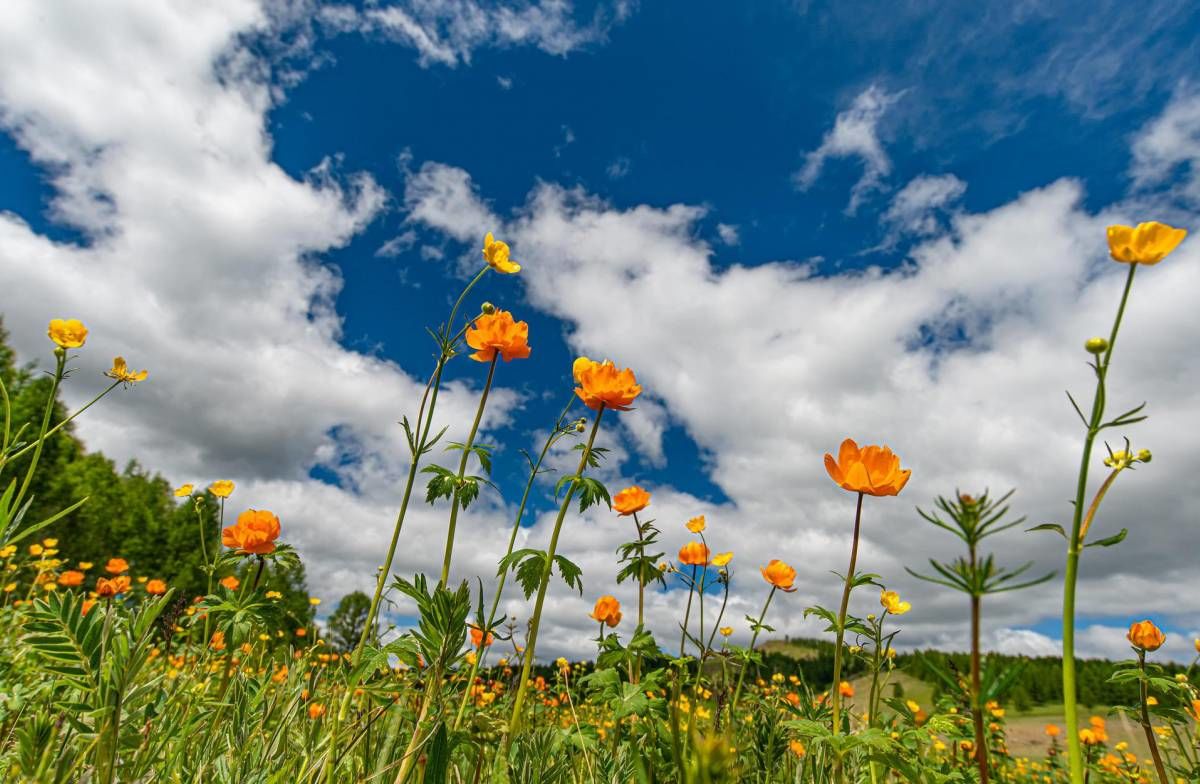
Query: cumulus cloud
[[1167, 149], [917, 209], [728, 233], [855, 134]]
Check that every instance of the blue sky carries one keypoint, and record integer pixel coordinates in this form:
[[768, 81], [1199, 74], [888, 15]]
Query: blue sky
[[813, 148]]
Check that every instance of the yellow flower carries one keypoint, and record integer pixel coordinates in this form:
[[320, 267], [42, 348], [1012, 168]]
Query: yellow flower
[[722, 559], [183, 491], [50, 542], [891, 602], [495, 253], [85, 565], [314, 601], [222, 488], [726, 631], [68, 333], [1147, 243], [121, 372], [696, 524]]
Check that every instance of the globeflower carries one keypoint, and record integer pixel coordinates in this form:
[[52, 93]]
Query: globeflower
[[607, 611], [696, 524], [70, 579], [67, 333], [254, 533], [631, 500], [873, 470], [1147, 243], [222, 488], [1146, 636], [106, 588], [722, 559], [602, 384], [477, 637], [779, 574], [156, 587], [891, 602], [498, 332], [121, 372], [183, 491], [495, 253], [694, 554], [846, 689], [231, 582], [116, 566]]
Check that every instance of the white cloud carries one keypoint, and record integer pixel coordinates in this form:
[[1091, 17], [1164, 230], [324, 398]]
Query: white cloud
[[1168, 148], [505, 82], [855, 133], [915, 210], [444, 198], [397, 245], [728, 233], [619, 168]]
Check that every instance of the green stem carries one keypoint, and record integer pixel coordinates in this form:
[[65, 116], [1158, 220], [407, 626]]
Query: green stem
[[737, 692], [531, 644], [835, 694], [61, 356], [462, 468], [1075, 547], [981, 759], [46, 434], [1149, 730], [687, 614]]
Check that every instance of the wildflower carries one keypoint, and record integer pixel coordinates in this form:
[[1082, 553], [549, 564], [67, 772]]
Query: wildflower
[[231, 582], [779, 574], [8, 551], [217, 642], [87, 606], [722, 559], [845, 689], [495, 253], [183, 491], [274, 595], [314, 601], [607, 611], [70, 579], [631, 500], [601, 384], [156, 587], [85, 565], [797, 748], [254, 533], [873, 470], [36, 549], [726, 631], [67, 333], [50, 542], [694, 554], [222, 488], [316, 710], [562, 663], [498, 332], [696, 524], [1146, 636], [116, 566], [891, 602], [1096, 345], [106, 588], [1147, 243], [121, 372], [477, 638], [1052, 731]]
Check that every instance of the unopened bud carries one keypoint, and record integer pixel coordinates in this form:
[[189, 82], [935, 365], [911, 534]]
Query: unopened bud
[[580, 426], [487, 308], [1144, 455], [1096, 345]]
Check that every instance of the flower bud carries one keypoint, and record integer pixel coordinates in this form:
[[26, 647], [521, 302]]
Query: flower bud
[[580, 426], [1144, 455], [1146, 636], [487, 308], [1096, 345]]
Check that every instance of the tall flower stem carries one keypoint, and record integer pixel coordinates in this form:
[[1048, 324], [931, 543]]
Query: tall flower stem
[[835, 694], [737, 692], [981, 758], [61, 357], [1075, 547], [531, 644], [1146, 727], [462, 468], [641, 581], [687, 614], [534, 470]]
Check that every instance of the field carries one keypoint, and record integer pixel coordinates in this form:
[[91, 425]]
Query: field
[[120, 669]]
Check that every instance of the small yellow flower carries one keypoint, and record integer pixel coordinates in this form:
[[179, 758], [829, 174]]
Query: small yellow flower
[[222, 488], [121, 372], [890, 600], [722, 559], [67, 333], [1146, 243], [314, 601], [726, 631], [495, 253], [85, 565], [183, 491], [51, 542], [36, 549], [696, 524]]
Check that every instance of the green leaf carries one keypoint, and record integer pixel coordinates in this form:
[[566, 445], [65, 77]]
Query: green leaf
[[441, 485], [1049, 527], [572, 575], [591, 492], [1109, 541], [437, 759]]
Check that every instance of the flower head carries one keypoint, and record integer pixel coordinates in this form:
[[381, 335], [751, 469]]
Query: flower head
[[121, 372], [217, 642], [67, 333], [183, 491], [631, 500], [498, 332], [495, 253], [694, 554], [1053, 730], [1146, 243], [254, 533], [222, 488], [106, 588], [231, 582], [1146, 636], [70, 578], [726, 631], [891, 602], [477, 637], [873, 470], [116, 566], [722, 559], [607, 611], [156, 587], [601, 384], [846, 689], [780, 575], [696, 524]]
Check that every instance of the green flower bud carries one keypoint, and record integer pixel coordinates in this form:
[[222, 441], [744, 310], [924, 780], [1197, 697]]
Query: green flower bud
[[1144, 455], [487, 308], [1096, 345]]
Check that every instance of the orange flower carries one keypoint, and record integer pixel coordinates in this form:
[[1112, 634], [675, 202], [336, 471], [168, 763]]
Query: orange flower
[[1146, 636], [67, 333], [630, 500], [601, 384], [316, 710], [873, 470], [845, 689], [607, 611], [498, 332], [1147, 243], [217, 643], [116, 566], [156, 587], [87, 606], [70, 579], [696, 524], [477, 637], [694, 554], [780, 575], [254, 533], [106, 588], [231, 582]]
